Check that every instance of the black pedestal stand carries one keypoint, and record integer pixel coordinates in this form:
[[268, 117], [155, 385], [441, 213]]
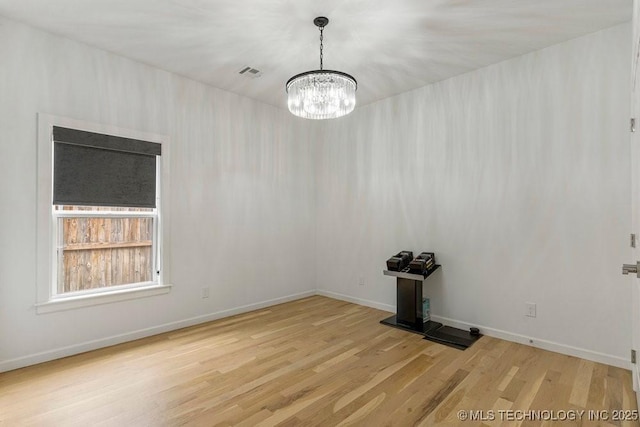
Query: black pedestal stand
[[409, 315]]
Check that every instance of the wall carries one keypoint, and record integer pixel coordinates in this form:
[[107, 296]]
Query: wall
[[241, 179], [517, 176]]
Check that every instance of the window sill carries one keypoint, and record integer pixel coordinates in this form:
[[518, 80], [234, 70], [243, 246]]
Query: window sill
[[70, 303]]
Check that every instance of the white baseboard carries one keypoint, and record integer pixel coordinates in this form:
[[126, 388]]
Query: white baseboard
[[359, 301], [45, 356], [582, 353], [32, 359]]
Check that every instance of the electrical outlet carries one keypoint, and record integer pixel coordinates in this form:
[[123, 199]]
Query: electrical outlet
[[205, 293], [530, 309], [361, 281]]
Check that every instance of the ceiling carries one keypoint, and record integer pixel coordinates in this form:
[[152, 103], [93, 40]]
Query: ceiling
[[389, 46]]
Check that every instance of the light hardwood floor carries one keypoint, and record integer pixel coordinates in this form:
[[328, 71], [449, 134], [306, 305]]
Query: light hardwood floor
[[315, 361]]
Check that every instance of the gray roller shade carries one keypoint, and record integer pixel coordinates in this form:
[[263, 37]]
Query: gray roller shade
[[93, 169]]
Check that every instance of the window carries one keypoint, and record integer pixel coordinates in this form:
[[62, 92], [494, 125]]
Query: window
[[104, 248], [104, 216]]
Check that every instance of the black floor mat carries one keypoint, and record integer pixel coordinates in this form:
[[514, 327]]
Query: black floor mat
[[452, 337]]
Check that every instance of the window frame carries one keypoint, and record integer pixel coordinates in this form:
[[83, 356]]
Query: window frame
[[47, 259]]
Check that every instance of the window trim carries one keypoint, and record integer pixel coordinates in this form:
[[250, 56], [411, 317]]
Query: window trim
[[80, 301], [47, 300]]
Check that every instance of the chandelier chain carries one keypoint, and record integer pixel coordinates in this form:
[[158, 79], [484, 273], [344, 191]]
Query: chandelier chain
[[321, 39]]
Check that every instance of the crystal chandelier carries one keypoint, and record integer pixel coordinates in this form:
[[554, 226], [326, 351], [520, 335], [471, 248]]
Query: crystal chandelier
[[321, 94]]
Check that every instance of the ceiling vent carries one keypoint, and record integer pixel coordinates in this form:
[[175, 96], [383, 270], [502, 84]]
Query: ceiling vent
[[250, 72]]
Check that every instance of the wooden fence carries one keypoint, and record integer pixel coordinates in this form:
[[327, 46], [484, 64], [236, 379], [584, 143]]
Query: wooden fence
[[102, 252]]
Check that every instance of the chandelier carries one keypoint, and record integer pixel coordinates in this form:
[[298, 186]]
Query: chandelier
[[321, 94]]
